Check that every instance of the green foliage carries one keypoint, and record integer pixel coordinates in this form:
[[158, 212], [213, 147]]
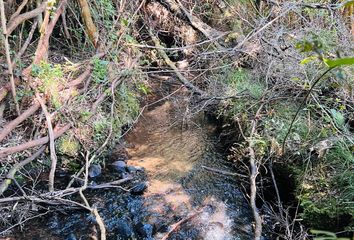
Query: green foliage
[[328, 189], [100, 71], [143, 88], [51, 77], [68, 145], [239, 81], [127, 104], [126, 109]]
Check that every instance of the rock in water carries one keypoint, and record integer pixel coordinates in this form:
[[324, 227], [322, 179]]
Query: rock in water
[[119, 166], [71, 237], [139, 188], [124, 230], [144, 230], [95, 170], [133, 169]]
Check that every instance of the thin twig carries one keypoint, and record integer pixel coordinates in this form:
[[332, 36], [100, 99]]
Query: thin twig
[[11, 174], [302, 104], [8, 56]]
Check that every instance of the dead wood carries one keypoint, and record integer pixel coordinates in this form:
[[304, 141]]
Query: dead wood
[[14, 123], [15, 21], [11, 174], [177, 225], [90, 26], [176, 7], [53, 155], [40, 141], [253, 175], [25, 44], [224, 172], [50, 197], [19, 9], [171, 64]]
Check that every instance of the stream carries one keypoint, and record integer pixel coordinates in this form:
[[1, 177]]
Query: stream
[[170, 159]]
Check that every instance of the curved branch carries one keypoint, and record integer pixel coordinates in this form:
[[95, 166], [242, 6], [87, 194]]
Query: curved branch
[[14, 22], [11, 174], [14, 123], [40, 141]]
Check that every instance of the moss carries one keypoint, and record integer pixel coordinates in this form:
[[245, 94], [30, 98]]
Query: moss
[[68, 145], [51, 77]]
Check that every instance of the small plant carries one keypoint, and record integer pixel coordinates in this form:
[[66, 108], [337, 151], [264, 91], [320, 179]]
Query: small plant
[[68, 145], [51, 77], [239, 81], [100, 71]]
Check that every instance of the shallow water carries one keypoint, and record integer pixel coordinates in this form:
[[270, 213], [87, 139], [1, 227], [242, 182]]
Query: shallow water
[[173, 158], [204, 204]]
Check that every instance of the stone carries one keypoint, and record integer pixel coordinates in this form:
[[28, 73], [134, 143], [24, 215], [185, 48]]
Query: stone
[[124, 230], [144, 230], [71, 236], [139, 188], [133, 169], [95, 170], [119, 166]]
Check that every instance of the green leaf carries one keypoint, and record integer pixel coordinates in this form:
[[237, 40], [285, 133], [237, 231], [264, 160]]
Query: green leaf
[[339, 62], [308, 59], [338, 118]]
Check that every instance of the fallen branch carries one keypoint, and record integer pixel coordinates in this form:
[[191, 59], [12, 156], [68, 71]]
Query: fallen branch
[[179, 223], [26, 44], [30, 111], [53, 156], [253, 176], [57, 195], [19, 9], [11, 174], [224, 172], [168, 61], [204, 28], [14, 123], [10, 150]]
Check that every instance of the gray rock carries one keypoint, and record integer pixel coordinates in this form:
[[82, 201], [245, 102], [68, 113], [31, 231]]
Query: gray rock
[[124, 230], [119, 166], [139, 188], [133, 169], [95, 170], [144, 231], [71, 237]]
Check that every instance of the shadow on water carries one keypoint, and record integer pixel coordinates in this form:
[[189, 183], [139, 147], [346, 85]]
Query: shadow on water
[[179, 189]]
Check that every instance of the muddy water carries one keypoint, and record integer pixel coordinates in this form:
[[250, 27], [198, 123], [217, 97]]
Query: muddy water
[[180, 188], [203, 204]]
